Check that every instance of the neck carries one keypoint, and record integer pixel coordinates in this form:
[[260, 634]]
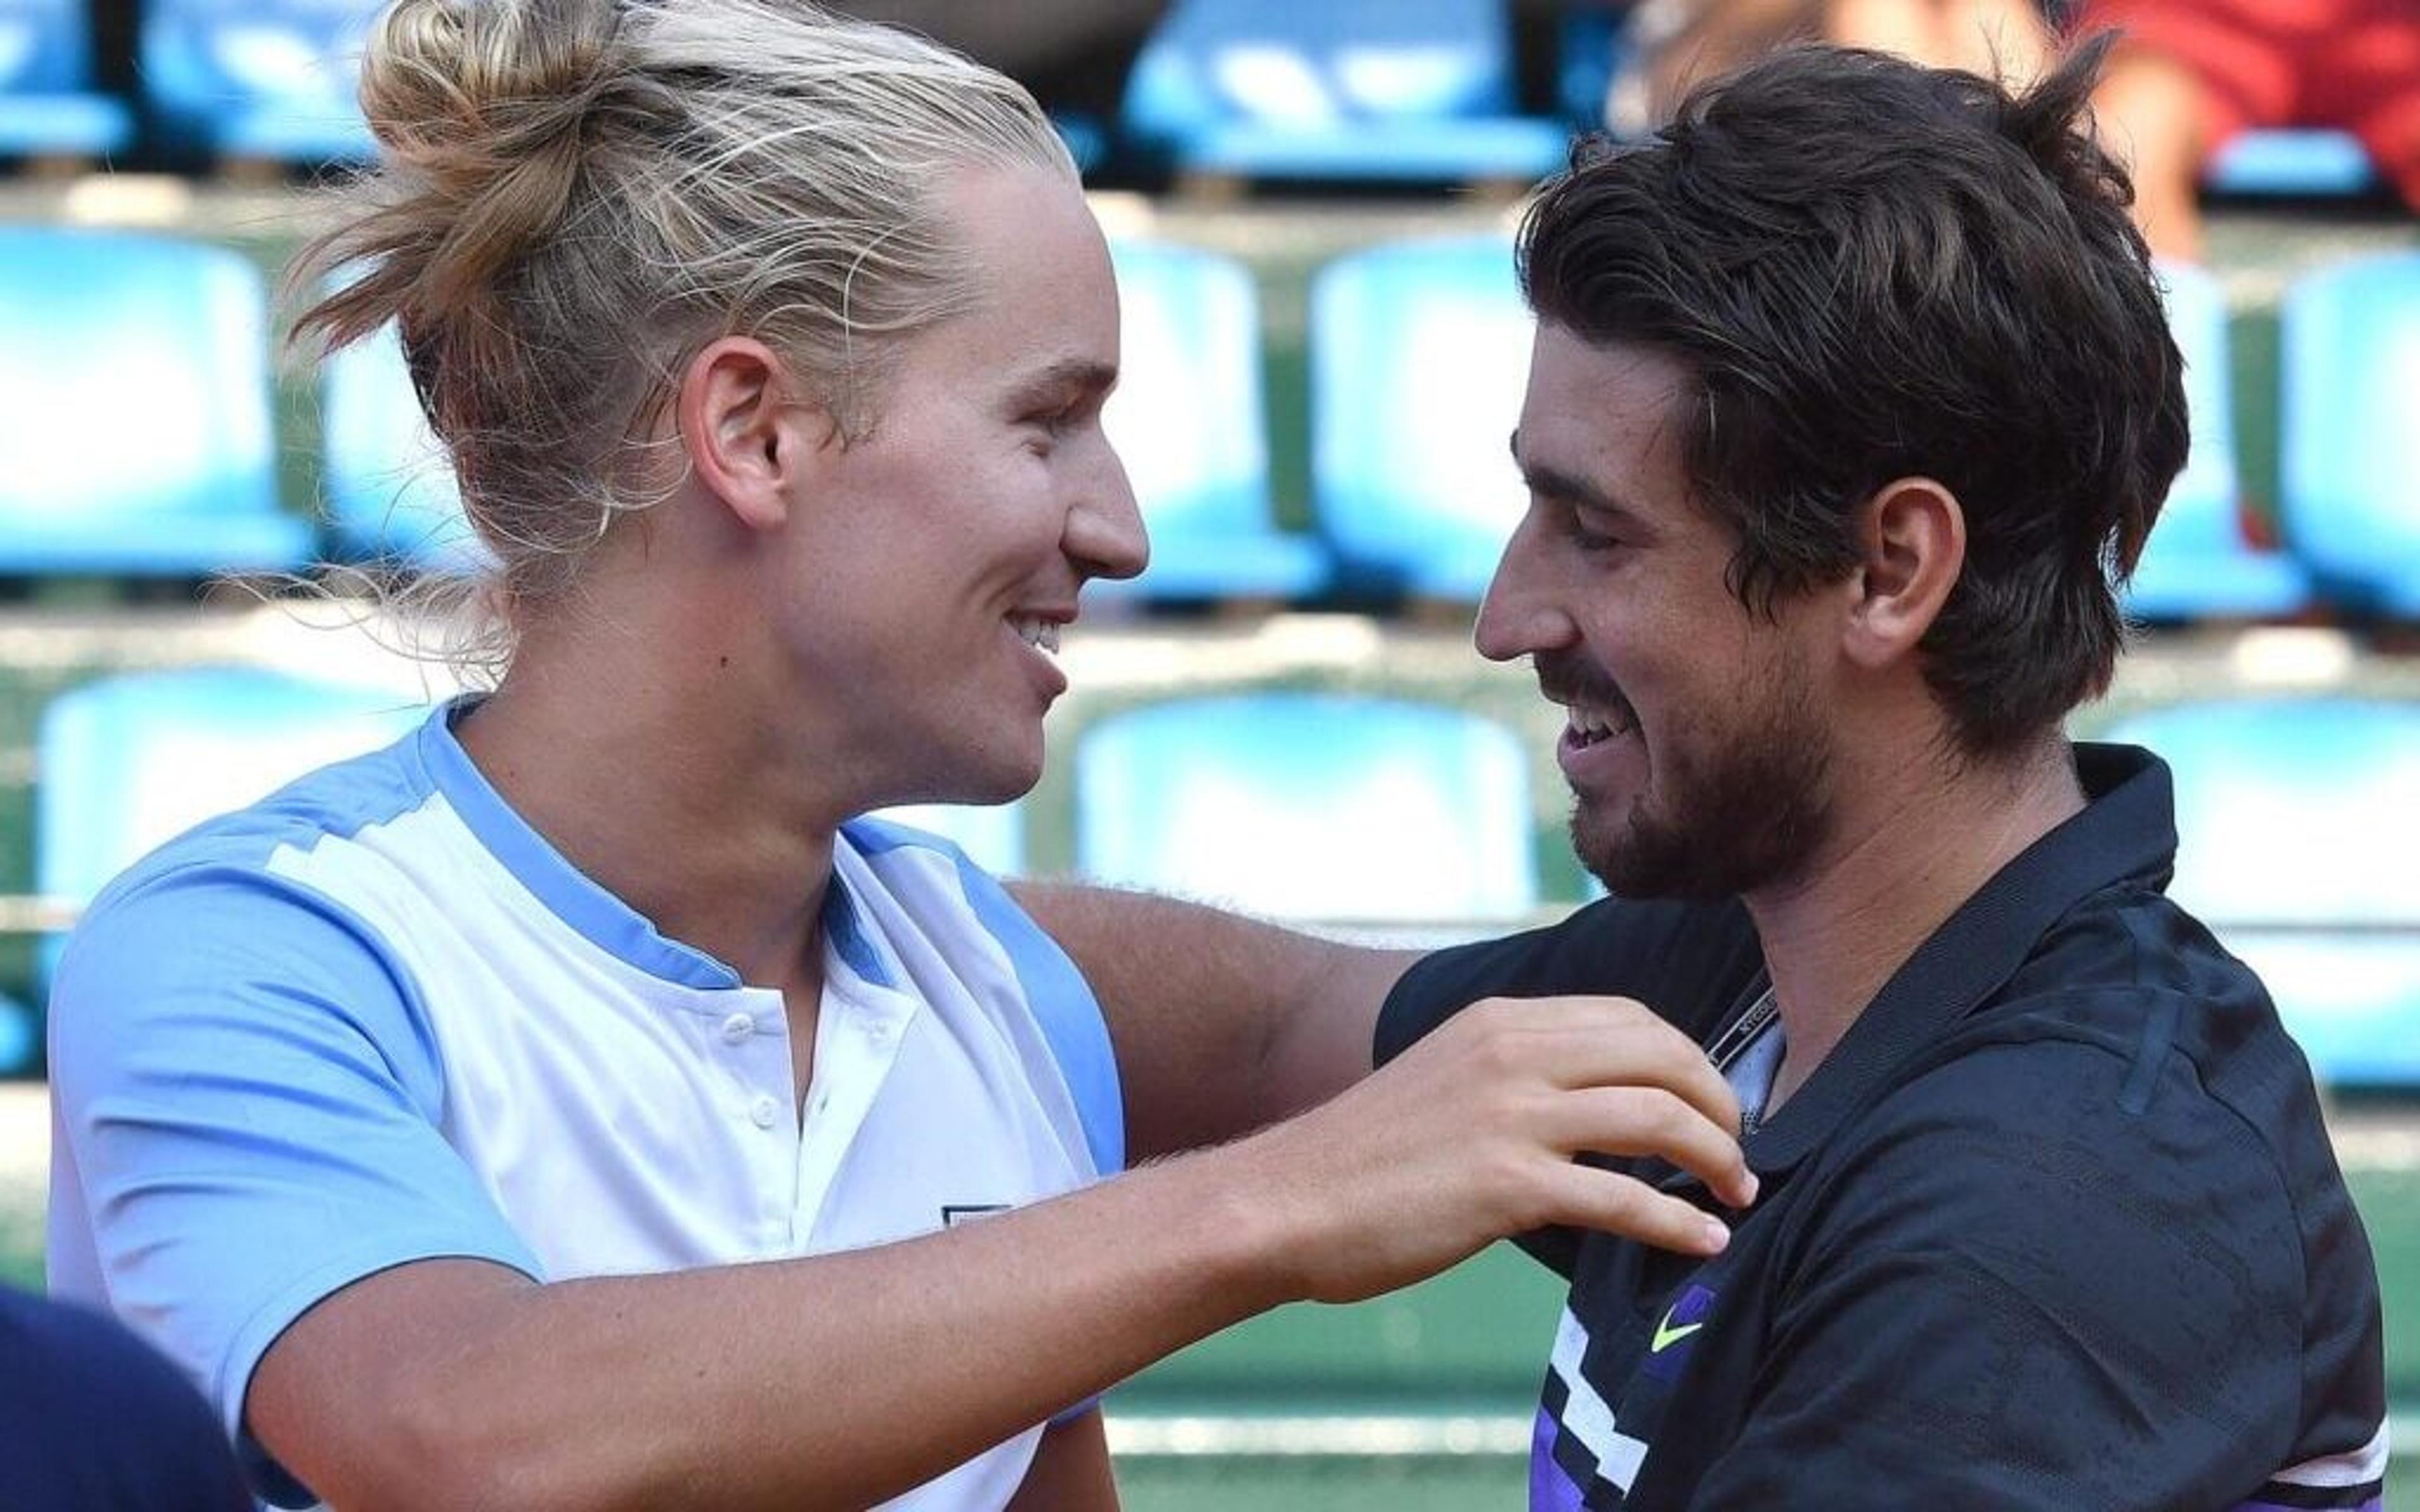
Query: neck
[[655, 775], [1892, 871]]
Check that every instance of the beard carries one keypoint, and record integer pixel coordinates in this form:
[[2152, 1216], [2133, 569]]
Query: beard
[[1737, 810]]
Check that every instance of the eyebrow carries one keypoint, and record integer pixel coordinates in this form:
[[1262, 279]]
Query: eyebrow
[[1553, 482], [1076, 374]]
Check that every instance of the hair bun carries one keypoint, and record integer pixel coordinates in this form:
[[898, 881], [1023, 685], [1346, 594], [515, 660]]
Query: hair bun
[[483, 101]]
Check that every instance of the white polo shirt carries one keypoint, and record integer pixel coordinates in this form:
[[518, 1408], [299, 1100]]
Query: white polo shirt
[[375, 1018]]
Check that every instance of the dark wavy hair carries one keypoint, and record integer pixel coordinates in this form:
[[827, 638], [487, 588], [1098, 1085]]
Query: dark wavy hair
[[1873, 270]]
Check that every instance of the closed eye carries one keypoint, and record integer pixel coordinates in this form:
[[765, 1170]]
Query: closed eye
[[1588, 529]]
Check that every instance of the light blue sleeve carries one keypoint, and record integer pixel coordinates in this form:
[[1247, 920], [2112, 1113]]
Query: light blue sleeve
[[1062, 1001], [249, 1097], [1065, 1007]]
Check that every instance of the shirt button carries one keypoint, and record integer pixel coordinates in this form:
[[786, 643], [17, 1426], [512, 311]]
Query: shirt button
[[737, 1027], [879, 1030], [764, 1112]]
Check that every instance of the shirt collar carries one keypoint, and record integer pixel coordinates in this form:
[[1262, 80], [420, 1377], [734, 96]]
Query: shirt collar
[[2127, 830], [597, 915]]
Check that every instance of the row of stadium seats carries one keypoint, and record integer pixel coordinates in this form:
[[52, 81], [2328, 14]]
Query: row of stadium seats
[[1339, 91], [2296, 815], [134, 400]]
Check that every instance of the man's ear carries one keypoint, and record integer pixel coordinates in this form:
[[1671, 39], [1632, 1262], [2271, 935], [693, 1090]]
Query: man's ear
[[1911, 535], [749, 433]]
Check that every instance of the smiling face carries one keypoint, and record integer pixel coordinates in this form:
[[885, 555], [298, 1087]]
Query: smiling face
[[944, 551], [1697, 752]]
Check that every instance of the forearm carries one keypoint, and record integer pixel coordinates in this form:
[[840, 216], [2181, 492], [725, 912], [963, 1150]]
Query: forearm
[[1222, 1022], [827, 1382], [839, 1381]]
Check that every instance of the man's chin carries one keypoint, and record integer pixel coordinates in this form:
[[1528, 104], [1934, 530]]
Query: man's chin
[[1645, 862]]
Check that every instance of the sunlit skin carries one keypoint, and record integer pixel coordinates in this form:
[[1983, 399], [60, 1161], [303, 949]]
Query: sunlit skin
[[1797, 759], [827, 624], [1711, 778], [983, 498]]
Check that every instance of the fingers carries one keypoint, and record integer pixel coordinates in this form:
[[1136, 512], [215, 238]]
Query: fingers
[[1604, 1042], [1589, 1197], [1651, 1121]]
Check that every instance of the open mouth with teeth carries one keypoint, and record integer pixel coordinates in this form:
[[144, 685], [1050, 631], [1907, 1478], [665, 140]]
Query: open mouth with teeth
[[1587, 724], [1042, 635]]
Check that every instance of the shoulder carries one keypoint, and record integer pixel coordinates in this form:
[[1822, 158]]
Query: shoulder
[[2003, 1131], [908, 883], [2132, 1019], [336, 802], [924, 883], [230, 935], [2070, 1188], [1688, 962], [2053, 1210]]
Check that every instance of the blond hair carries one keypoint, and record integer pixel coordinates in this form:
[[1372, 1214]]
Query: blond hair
[[575, 195]]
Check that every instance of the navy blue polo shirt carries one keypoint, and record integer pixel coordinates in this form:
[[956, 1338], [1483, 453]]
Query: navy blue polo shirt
[[2056, 1224]]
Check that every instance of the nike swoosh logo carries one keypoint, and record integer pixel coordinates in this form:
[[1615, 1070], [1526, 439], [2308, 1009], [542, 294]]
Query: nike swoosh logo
[[1666, 1335]]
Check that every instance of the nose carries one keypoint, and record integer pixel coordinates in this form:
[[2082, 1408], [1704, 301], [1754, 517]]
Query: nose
[[1105, 534], [1518, 616]]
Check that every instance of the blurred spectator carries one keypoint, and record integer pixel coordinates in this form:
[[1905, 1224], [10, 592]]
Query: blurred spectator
[[91, 1420], [1675, 43], [1072, 54], [2191, 74]]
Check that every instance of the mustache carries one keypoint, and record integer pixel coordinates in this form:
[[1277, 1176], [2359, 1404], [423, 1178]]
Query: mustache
[[1568, 677]]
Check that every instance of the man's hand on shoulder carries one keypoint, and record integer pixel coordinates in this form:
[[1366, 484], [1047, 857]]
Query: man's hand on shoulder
[[1472, 1134]]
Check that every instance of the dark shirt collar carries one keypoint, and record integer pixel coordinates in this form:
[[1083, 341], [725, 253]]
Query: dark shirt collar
[[2127, 830]]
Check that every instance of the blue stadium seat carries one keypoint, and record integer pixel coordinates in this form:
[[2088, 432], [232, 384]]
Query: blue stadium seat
[[2199, 564], [269, 80], [2302, 163], [127, 763], [1187, 418], [21, 1038], [992, 835], [1588, 53], [1420, 351], [389, 485], [48, 104], [134, 410], [1401, 90], [1311, 805], [2350, 420], [2303, 816], [1087, 139]]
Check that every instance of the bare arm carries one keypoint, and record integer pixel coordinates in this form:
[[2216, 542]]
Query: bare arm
[[838, 1380], [1223, 1023]]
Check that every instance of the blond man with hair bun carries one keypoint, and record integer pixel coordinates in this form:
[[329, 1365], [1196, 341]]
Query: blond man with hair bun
[[578, 1104]]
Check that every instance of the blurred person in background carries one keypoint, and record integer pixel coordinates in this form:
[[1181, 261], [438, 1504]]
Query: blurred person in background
[[94, 1420], [1672, 46], [2190, 75], [1072, 54], [1851, 403], [575, 1104]]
